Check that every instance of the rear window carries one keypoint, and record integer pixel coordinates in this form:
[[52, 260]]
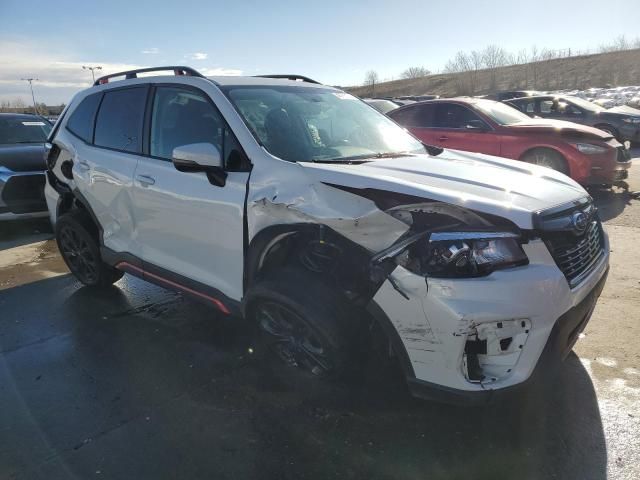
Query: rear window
[[119, 121], [81, 120], [23, 130]]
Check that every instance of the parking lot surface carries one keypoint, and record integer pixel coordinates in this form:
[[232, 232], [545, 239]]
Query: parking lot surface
[[139, 382]]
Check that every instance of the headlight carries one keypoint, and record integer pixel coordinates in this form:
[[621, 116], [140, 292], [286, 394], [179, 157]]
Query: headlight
[[590, 149], [470, 254], [631, 120]]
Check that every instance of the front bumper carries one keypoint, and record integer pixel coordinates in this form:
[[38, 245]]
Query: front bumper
[[517, 313], [608, 169], [21, 194], [630, 132]]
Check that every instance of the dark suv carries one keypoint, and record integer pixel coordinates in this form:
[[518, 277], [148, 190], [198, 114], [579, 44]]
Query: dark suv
[[622, 125], [22, 165]]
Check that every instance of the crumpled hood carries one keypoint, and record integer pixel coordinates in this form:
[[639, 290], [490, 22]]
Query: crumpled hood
[[507, 188], [557, 126], [23, 157]]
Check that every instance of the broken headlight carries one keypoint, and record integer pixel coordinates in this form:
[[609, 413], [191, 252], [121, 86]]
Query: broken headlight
[[463, 254]]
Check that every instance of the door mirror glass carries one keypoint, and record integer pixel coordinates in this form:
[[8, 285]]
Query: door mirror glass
[[197, 157]]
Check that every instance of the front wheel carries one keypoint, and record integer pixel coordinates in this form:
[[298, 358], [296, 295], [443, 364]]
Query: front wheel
[[544, 157], [81, 253], [303, 323]]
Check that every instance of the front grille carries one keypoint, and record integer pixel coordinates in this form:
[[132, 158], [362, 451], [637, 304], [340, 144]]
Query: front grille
[[624, 155], [24, 193], [577, 255]]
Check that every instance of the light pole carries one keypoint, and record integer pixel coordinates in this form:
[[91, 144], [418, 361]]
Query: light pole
[[30, 80], [97, 67]]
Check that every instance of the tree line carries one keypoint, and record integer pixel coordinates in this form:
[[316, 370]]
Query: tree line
[[481, 69]]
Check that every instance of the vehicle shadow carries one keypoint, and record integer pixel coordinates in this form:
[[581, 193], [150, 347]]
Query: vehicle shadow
[[95, 375], [610, 202], [16, 233]]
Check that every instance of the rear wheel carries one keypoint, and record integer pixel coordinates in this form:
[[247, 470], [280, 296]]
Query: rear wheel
[[81, 253], [303, 323], [545, 157]]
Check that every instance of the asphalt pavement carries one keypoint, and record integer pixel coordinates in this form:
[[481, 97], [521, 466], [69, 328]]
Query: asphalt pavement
[[137, 382]]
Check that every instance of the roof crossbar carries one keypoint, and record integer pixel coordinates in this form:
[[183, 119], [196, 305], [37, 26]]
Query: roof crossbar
[[177, 70], [291, 76]]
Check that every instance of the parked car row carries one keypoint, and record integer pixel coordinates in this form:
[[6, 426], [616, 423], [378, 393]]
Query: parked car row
[[589, 155]]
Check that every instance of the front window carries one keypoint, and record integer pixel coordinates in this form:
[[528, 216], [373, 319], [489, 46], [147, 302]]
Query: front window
[[23, 130], [501, 113], [302, 124]]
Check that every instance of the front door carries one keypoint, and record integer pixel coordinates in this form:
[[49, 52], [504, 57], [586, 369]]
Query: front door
[[184, 224]]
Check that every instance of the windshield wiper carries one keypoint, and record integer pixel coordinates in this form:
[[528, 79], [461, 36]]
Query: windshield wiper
[[363, 157]]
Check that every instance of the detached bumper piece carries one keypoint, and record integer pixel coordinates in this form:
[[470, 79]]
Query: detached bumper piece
[[22, 192], [563, 337]]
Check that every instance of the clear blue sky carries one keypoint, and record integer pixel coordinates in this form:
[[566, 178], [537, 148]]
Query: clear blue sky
[[333, 41]]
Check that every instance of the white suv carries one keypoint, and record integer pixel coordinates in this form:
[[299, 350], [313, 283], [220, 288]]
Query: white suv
[[302, 208]]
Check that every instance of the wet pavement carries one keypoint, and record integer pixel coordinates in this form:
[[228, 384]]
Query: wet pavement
[[139, 382]]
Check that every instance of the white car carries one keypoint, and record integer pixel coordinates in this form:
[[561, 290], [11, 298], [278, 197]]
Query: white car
[[302, 208]]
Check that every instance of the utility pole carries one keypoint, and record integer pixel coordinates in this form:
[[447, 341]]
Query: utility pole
[[97, 67], [31, 80]]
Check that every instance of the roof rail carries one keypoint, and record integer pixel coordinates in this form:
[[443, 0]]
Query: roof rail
[[291, 76], [177, 70]]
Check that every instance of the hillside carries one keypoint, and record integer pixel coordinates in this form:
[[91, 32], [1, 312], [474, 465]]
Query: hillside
[[580, 72]]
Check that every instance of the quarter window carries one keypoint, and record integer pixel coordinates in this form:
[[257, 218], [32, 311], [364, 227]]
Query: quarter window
[[181, 117], [119, 122], [81, 120]]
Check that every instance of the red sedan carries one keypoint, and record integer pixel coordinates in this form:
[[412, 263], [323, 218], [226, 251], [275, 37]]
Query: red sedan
[[588, 155]]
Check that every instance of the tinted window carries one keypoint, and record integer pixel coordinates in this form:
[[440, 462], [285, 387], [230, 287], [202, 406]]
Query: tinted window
[[451, 115], [23, 130], [181, 117], [81, 120], [420, 116], [119, 122]]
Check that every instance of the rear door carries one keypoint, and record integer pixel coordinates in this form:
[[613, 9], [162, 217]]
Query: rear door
[[188, 229], [105, 159], [458, 127]]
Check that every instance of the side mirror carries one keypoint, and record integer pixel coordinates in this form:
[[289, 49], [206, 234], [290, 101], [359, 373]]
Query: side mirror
[[476, 125], [200, 157]]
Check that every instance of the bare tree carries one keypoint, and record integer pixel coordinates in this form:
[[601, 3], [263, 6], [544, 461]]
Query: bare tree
[[370, 80], [415, 72]]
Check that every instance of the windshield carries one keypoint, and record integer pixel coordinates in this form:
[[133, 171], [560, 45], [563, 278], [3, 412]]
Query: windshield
[[585, 104], [501, 113], [300, 124], [23, 130], [383, 106]]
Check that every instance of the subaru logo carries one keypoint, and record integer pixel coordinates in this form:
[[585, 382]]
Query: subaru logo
[[579, 221]]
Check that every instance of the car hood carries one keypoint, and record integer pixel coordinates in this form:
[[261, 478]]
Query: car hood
[[507, 188], [625, 110], [543, 125], [23, 157]]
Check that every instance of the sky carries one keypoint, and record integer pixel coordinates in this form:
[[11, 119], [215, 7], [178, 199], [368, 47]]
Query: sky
[[334, 41]]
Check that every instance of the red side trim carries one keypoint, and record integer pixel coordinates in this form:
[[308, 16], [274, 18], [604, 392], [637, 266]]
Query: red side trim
[[216, 302]]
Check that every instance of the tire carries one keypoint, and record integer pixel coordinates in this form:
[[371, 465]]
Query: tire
[[609, 129], [304, 323], [80, 251], [545, 157]]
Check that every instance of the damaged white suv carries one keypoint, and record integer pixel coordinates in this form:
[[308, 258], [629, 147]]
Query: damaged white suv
[[299, 206]]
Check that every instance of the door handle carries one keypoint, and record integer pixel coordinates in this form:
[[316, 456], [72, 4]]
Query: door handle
[[84, 166], [443, 138], [145, 180]]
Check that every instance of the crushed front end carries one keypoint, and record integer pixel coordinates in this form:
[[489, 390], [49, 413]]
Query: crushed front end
[[477, 302]]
